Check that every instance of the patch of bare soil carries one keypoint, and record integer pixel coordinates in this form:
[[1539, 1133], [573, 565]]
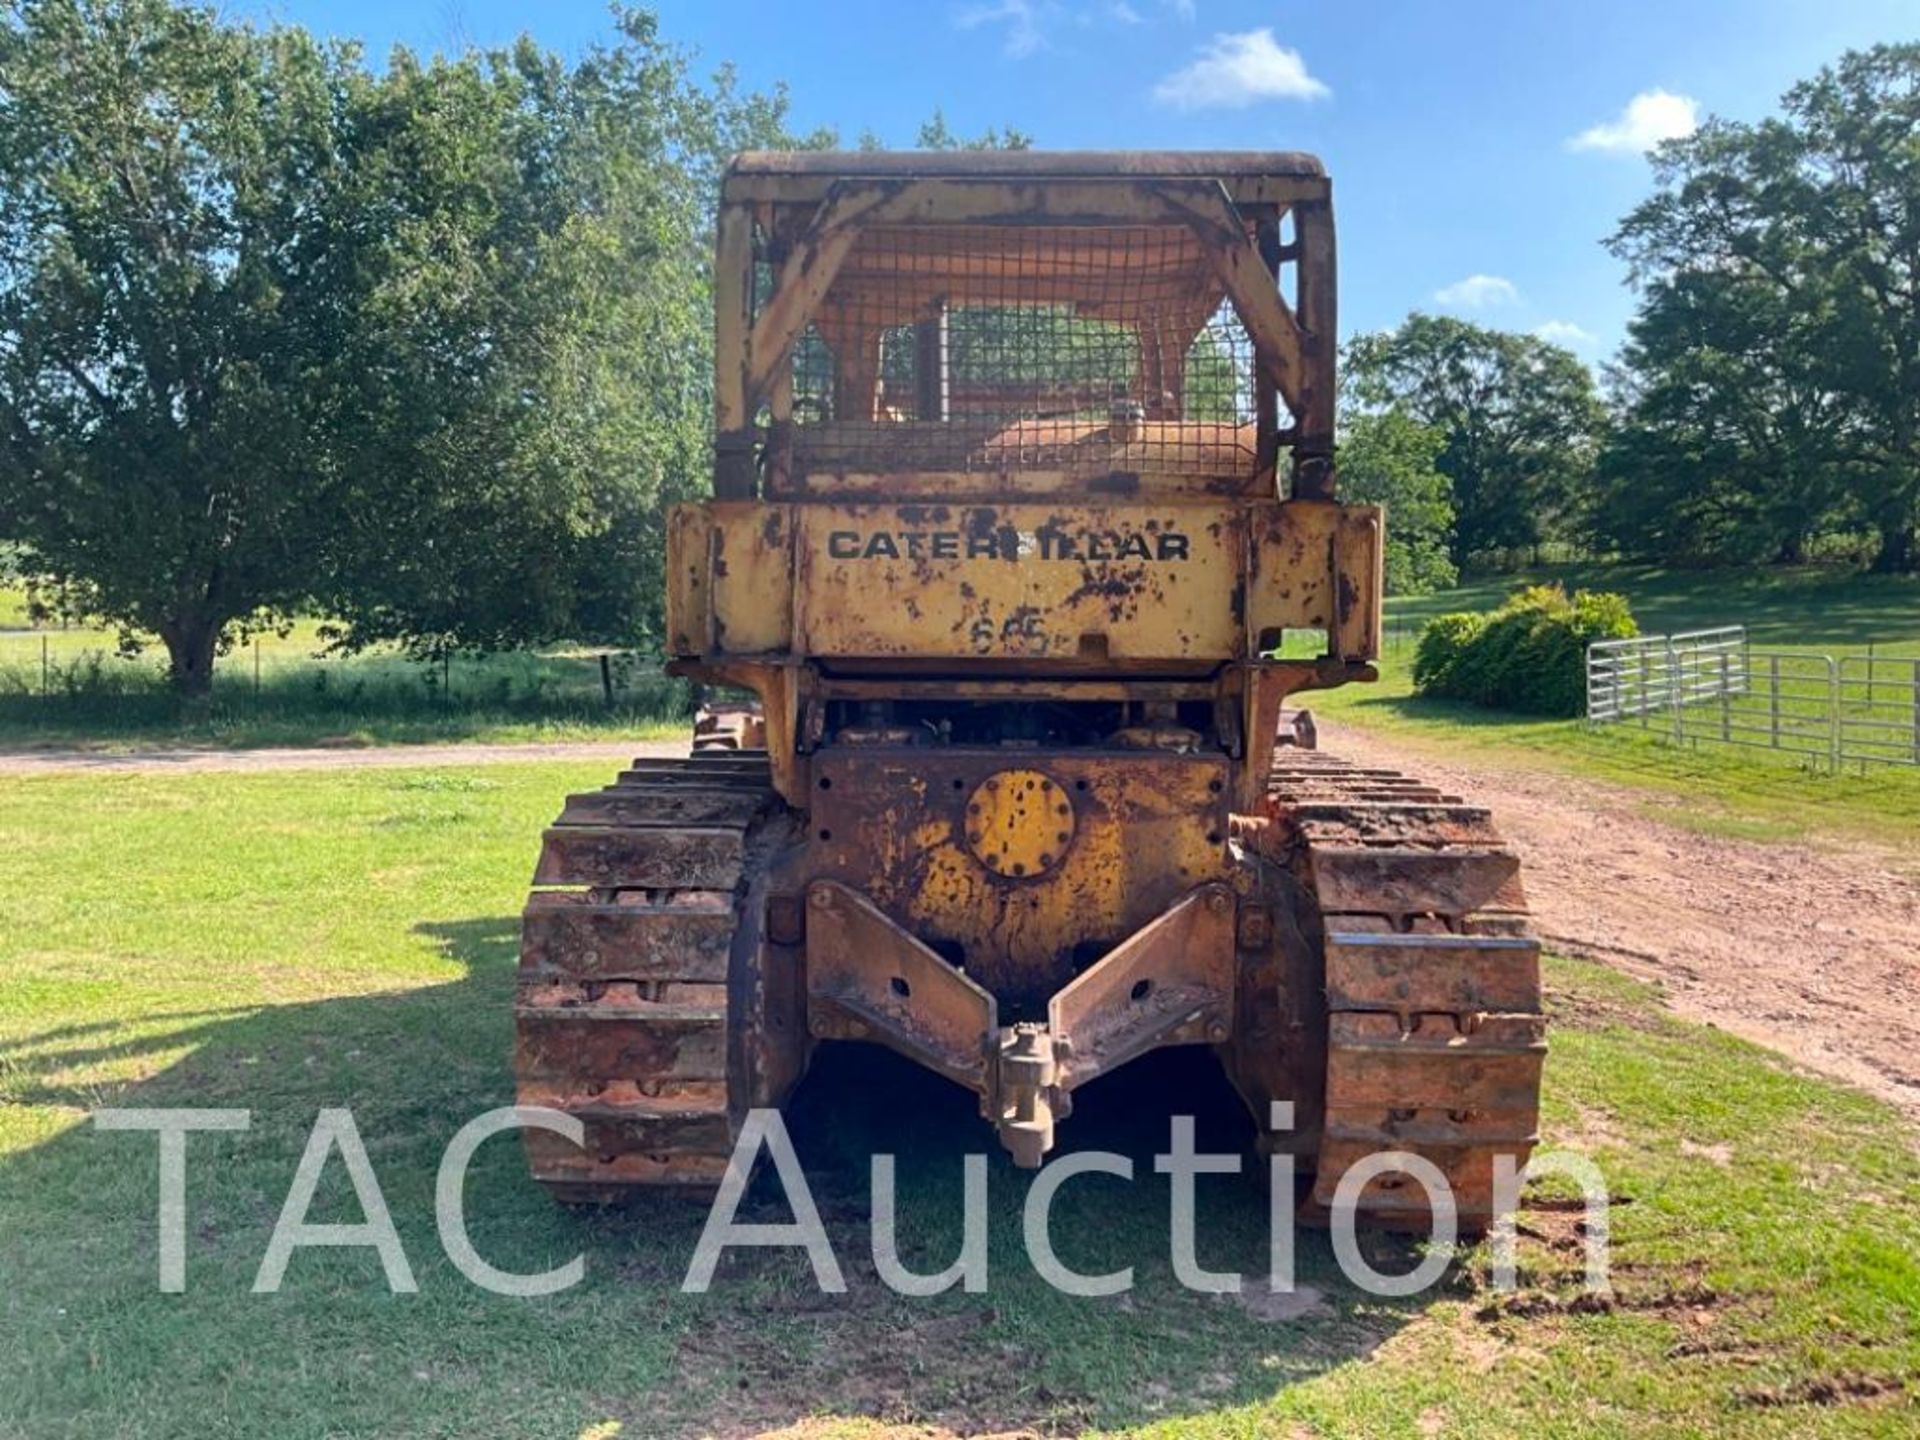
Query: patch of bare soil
[[1842, 1389], [1813, 951]]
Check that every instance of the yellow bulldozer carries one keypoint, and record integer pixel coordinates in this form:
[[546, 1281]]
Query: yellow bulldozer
[[1025, 530]]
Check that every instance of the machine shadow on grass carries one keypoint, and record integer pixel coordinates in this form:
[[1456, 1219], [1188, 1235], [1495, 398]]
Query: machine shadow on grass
[[763, 1349]]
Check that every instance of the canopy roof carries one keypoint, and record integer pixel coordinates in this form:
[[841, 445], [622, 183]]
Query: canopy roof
[[1024, 164]]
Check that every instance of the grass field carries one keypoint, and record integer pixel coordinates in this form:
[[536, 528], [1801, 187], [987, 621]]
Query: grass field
[[1810, 606], [288, 941], [70, 687], [1735, 790]]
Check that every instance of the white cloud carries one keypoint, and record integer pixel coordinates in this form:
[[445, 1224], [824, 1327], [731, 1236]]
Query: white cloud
[[1565, 332], [1236, 70], [1477, 292], [1650, 117], [1184, 9], [1024, 34], [1029, 26]]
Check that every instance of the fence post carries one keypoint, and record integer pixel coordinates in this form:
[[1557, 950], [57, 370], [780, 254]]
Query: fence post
[[1834, 746], [46, 671], [256, 669], [1727, 699], [1773, 697], [1916, 712], [1674, 696]]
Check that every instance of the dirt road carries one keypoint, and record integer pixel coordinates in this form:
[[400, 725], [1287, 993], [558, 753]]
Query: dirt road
[[1813, 951]]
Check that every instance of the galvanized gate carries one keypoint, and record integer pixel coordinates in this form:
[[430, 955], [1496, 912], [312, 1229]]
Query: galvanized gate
[[1715, 686]]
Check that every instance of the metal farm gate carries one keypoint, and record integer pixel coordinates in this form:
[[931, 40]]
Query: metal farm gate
[[1715, 686]]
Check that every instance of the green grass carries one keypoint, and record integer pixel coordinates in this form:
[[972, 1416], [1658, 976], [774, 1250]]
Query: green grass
[[1727, 790], [289, 941], [69, 687], [1804, 606]]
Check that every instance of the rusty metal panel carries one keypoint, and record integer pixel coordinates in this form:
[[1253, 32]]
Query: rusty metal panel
[[1316, 566], [564, 1036], [620, 856], [1359, 581], [894, 823], [1172, 982], [1386, 880], [1372, 1061], [1089, 583], [1413, 973], [683, 937], [729, 578], [1130, 584], [689, 603], [892, 988]]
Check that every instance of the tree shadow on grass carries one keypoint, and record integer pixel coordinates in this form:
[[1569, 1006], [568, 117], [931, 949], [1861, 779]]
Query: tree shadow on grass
[[335, 1353]]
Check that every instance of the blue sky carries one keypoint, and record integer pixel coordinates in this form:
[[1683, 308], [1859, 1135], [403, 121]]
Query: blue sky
[[1480, 151]]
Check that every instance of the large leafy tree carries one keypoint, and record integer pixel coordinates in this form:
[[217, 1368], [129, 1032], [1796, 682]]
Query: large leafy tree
[[537, 341], [1727, 449], [1389, 459], [1780, 322], [429, 347], [177, 281], [1520, 418]]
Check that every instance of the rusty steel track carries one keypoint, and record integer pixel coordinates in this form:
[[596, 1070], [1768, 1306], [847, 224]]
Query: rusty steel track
[[1435, 1032], [628, 947]]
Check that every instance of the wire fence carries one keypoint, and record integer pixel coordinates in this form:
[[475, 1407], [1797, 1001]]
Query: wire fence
[[1716, 687], [996, 346], [58, 678]]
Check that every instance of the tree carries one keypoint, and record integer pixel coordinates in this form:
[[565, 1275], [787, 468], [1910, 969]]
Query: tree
[[1521, 421], [1727, 448], [1807, 228], [934, 135], [175, 285], [538, 340], [1391, 460], [429, 348]]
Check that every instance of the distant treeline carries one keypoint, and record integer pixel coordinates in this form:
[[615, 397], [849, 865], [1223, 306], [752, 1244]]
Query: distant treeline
[[1766, 406], [426, 346]]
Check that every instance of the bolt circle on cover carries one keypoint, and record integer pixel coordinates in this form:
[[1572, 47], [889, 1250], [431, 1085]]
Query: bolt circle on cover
[[1019, 824]]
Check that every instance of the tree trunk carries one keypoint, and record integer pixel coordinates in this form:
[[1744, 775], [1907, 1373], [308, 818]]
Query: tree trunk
[[1899, 550], [190, 646]]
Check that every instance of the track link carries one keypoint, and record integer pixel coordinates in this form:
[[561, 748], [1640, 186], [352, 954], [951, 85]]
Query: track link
[[623, 1003], [1435, 1033]]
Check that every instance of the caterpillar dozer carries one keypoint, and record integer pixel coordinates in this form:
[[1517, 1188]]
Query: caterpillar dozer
[[1025, 531]]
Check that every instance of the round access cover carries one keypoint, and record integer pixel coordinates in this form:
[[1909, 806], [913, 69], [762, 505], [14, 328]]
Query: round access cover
[[1019, 823]]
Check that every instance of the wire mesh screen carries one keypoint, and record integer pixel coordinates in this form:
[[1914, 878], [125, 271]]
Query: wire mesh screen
[[1001, 347]]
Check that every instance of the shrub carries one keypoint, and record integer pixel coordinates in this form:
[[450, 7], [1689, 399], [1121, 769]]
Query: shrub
[[1529, 655], [1444, 640]]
